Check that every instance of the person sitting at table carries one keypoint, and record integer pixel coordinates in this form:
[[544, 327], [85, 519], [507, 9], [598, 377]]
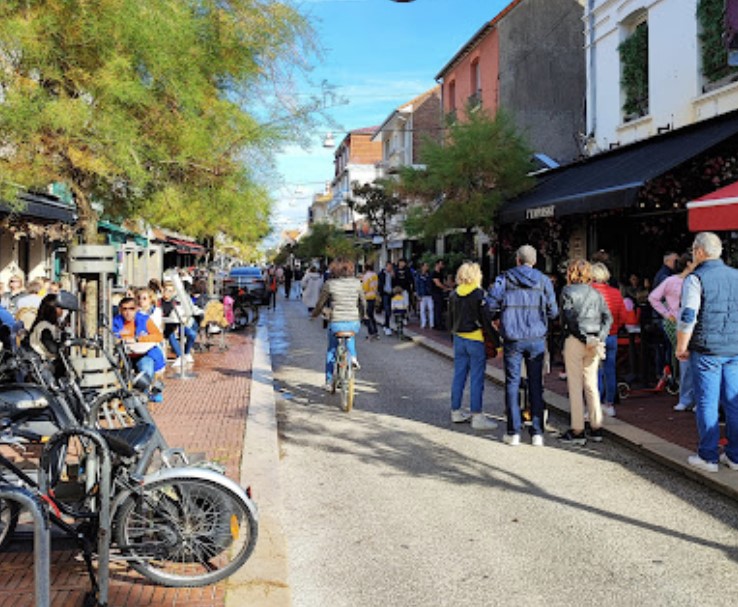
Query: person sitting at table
[[148, 305], [142, 337], [171, 329]]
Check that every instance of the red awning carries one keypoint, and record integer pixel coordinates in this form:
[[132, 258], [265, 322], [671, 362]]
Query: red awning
[[716, 211], [187, 246]]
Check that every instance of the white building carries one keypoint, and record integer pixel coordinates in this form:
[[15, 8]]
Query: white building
[[682, 87]]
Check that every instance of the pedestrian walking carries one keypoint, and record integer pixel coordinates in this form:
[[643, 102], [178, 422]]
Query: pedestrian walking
[[425, 297], [311, 284], [468, 315], [438, 294], [707, 335], [288, 275], [272, 280], [370, 284], [523, 300], [586, 322], [386, 278]]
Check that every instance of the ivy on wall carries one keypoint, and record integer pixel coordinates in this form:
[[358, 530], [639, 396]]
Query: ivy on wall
[[634, 78], [711, 18]]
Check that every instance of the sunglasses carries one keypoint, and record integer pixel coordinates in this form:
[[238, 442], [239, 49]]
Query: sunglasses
[[124, 308]]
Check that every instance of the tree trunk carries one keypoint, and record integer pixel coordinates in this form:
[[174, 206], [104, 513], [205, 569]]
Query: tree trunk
[[88, 222]]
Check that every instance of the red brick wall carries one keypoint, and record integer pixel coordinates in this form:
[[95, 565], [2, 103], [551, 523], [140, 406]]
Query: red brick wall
[[487, 53]]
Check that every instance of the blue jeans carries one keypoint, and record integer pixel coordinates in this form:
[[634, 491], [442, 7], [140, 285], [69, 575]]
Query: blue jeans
[[469, 359], [532, 350], [189, 334], [686, 383], [715, 381], [330, 357], [608, 382], [387, 305]]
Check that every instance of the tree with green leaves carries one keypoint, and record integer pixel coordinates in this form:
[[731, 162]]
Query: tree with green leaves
[[325, 241], [482, 162], [151, 108], [378, 204]]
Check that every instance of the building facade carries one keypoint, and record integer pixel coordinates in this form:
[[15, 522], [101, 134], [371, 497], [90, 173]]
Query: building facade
[[355, 160], [528, 61]]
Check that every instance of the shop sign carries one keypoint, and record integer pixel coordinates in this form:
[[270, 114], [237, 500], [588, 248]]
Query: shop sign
[[540, 212]]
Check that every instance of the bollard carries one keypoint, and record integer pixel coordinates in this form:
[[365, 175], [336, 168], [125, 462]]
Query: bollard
[[41, 538], [104, 536]]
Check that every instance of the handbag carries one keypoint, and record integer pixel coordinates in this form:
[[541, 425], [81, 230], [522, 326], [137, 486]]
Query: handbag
[[491, 343]]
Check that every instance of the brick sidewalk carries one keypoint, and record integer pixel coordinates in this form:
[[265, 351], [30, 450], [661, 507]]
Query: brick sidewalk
[[206, 414]]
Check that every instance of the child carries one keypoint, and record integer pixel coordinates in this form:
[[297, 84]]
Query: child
[[399, 308]]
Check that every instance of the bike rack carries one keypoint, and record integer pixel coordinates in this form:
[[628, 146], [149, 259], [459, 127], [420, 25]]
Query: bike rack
[[104, 534], [41, 539]]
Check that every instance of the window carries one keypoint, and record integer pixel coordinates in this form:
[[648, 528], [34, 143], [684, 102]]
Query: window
[[475, 99], [452, 95], [634, 72], [715, 68]]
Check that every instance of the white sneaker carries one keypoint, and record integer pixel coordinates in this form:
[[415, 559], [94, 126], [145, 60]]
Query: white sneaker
[[728, 462], [189, 358], [481, 422], [537, 440], [355, 363], [177, 362], [328, 387], [459, 417], [608, 410], [683, 407], [387, 331], [697, 462], [511, 439]]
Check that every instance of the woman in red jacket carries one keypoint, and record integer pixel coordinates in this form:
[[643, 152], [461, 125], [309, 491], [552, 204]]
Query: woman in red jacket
[[614, 300]]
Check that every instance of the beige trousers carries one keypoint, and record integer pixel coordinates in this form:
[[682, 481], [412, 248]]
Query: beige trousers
[[581, 378]]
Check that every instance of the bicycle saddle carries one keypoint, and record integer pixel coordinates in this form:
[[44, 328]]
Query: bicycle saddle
[[128, 441]]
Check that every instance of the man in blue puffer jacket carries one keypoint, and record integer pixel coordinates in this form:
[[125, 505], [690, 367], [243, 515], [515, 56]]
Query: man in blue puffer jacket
[[523, 300]]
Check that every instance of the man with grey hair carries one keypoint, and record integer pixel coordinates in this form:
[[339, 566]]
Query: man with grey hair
[[707, 335], [523, 300]]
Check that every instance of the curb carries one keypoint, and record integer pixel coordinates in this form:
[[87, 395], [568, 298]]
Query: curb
[[263, 580], [671, 455]]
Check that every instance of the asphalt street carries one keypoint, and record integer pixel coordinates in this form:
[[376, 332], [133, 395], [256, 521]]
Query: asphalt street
[[393, 505]]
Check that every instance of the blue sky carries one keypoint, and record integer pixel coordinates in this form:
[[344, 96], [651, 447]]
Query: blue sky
[[378, 54]]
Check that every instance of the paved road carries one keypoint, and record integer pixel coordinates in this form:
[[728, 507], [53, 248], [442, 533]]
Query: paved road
[[393, 505]]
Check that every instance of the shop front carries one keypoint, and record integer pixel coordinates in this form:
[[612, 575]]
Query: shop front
[[630, 202]]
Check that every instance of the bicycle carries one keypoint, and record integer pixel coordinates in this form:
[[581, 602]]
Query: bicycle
[[667, 382], [181, 525], [343, 371]]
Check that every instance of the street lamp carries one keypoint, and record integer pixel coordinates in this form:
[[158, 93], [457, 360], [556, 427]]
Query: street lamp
[[329, 142]]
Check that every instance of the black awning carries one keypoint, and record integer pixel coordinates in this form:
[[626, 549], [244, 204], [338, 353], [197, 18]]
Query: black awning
[[611, 180], [43, 207]]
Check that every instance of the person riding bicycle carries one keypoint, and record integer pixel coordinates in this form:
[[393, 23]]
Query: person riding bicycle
[[345, 294]]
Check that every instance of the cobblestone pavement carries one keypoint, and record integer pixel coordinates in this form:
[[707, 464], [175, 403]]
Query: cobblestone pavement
[[206, 414]]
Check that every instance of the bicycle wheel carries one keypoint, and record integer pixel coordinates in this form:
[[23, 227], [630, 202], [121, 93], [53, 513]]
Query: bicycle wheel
[[186, 531], [8, 521], [349, 389]]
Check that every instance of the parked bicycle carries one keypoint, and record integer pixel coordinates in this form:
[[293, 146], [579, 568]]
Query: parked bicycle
[[176, 523]]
